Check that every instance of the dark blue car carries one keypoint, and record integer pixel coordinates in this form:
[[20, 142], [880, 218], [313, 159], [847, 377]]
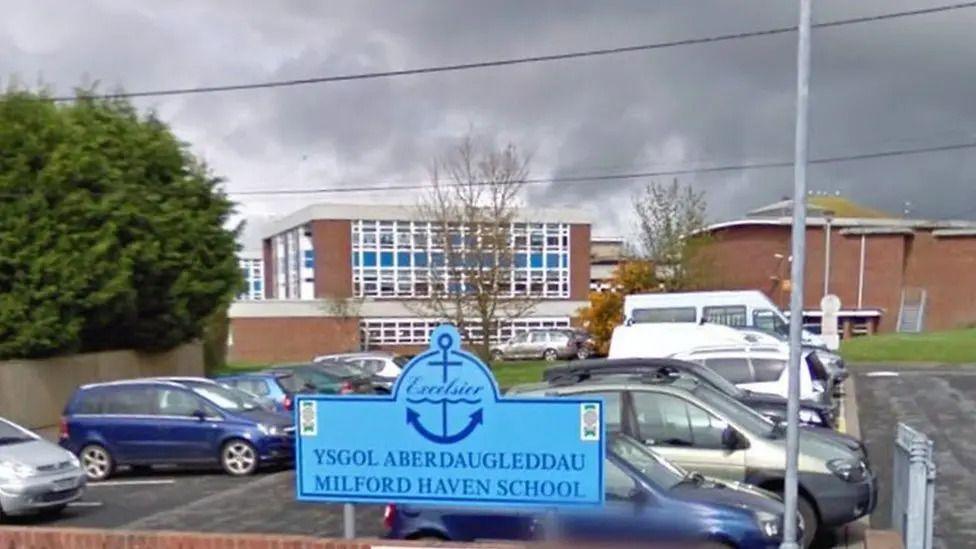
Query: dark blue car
[[648, 499], [145, 422]]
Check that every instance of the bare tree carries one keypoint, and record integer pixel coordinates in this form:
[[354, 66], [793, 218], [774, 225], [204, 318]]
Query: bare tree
[[670, 219], [472, 206]]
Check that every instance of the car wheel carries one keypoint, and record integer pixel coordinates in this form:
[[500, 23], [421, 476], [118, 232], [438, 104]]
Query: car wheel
[[97, 462], [810, 521], [550, 355], [239, 458]]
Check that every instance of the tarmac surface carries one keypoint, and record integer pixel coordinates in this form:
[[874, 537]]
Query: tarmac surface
[[940, 401]]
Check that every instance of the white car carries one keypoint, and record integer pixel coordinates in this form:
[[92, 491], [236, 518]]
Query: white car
[[379, 364], [760, 368]]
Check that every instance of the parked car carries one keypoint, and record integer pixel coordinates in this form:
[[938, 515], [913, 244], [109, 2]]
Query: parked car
[[585, 346], [763, 369], [648, 500], [701, 429], [36, 476], [375, 363], [757, 367], [323, 379], [815, 417], [831, 361], [270, 388], [550, 345], [145, 422]]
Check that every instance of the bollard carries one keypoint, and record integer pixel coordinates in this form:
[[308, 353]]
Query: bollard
[[913, 488]]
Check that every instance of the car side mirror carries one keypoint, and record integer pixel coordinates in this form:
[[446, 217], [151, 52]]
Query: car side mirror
[[639, 497], [731, 439]]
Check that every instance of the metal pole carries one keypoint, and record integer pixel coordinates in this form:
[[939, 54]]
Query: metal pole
[[827, 256], [348, 521], [796, 275]]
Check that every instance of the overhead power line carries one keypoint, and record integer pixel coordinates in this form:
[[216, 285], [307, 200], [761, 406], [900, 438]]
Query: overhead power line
[[517, 60], [617, 176]]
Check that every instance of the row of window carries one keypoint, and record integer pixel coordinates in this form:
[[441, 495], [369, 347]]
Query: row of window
[[407, 259], [416, 331]]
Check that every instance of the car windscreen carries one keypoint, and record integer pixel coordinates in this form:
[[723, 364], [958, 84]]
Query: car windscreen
[[9, 434], [226, 398], [660, 471], [401, 361], [341, 369], [312, 379], [734, 411]]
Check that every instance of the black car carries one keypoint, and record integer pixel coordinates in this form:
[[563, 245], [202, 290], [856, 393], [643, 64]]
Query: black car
[[813, 415], [325, 378]]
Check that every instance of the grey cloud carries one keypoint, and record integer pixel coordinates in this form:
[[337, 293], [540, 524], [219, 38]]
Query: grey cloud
[[877, 86]]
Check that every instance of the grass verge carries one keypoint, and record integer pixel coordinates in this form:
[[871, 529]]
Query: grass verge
[[950, 347]]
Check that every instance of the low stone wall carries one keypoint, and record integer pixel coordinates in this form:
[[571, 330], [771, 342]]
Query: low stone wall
[[33, 392], [76, 538]]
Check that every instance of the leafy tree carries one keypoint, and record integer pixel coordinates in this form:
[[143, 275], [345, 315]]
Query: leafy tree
[[606, 309], [112, 235], [670, 219]]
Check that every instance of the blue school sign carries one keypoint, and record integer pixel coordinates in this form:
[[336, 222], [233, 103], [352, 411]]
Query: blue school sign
[[445, 436]]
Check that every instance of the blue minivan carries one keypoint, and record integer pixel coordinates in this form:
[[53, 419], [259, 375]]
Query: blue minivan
[[648, 500], [156, 421]]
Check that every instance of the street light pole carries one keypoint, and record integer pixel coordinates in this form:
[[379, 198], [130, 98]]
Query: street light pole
[[796, 275]]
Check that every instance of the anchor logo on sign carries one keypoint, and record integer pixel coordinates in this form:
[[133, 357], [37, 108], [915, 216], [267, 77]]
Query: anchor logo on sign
[[453, 393]]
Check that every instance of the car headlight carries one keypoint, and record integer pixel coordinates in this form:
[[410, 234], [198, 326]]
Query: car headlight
[[270, 430], [769, 524], [13, 469], [849, 470], [810, 416], [73, 460]]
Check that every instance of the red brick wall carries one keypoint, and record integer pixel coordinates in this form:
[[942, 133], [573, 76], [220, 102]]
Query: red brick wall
[[77, 538], [744, 258], [332, 242], [946, 268], [579, 261], [272, 339]]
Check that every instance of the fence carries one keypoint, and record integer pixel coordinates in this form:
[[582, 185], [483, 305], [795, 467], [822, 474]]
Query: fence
[[913, 488], [34, 392]]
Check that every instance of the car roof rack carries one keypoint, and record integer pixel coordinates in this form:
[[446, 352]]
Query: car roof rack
[[586, 369]]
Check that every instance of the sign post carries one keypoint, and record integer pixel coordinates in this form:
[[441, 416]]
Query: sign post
[[446, 436], [829, 308]]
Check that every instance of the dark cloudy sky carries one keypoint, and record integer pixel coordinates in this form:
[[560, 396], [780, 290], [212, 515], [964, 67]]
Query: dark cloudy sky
[[888, 85]]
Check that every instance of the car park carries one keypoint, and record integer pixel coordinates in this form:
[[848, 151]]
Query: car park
[[270, 388], [146, 422], [36, 476], [549, 345], [648, 499], [692, 424]]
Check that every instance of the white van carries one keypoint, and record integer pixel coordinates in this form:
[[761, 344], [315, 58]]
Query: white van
[[745, 308]]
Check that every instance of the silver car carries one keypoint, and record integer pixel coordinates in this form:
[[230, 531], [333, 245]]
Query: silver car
[[35, 475], [549, 345]]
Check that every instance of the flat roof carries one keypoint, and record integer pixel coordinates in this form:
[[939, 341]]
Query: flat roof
[[393, 212], [886, 224]]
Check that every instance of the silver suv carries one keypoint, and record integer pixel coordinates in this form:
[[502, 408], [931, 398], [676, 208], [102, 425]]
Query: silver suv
[[546, 344], [704, 430]]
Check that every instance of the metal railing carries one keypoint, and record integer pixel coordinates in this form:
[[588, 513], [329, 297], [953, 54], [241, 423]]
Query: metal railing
[[913, 488]]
